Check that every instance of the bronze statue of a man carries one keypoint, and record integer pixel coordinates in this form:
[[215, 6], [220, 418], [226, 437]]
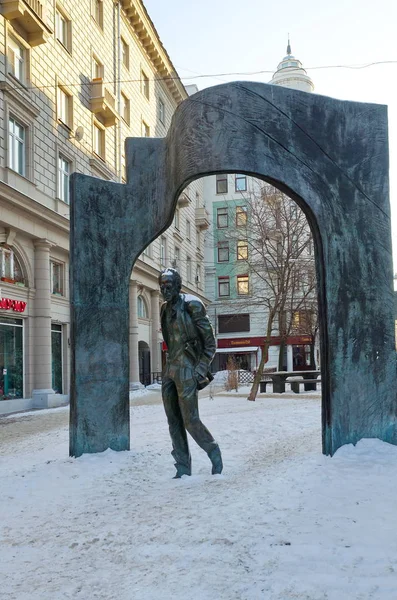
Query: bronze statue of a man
[[191, 347]]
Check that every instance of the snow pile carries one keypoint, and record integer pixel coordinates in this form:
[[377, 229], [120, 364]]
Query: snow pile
[[282, 522]]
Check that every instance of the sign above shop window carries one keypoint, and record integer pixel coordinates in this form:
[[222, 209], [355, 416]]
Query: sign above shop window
[[15, 305]]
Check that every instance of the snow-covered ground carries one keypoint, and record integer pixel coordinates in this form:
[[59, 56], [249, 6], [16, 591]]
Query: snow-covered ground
[[282, 522]]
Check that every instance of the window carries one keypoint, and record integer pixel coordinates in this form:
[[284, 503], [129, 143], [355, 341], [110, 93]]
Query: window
[[189, 269], [16, 55], [142, 308], [16, 146], [145, 85], [242, 285], [241, 183], [223, 286], [56, 278], [177, 258], [65, 107], [198, 203], [242, 250], [125, 53], [241, 216], [124, 169], [125, 108], [163, 251], [198, 239], [221, 184], [10, 268], [63, 178], [222, 218], [198, 275], [176, 218], [233, 323], [99, 141], [63, 29], [98, 70], [223, 251], [98, 12], [188, 230], [161, 111], [145, 129]]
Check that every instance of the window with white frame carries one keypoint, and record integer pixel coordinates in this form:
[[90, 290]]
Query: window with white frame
[[189, 269], [64, 169], [177, 258], [97, 12], [176, 219], [142, 308], [98, 70], [99, 140], [16, 146], [57, 279], [16, 55], [65, 107], [241, 216], [125, 108], [188, 230], [198, 239], [198, 275], [163, 251], [63, 29], [125, 53], [145, 85], [161, 111], [10, 269]]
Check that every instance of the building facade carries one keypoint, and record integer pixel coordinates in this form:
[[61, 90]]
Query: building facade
[[239, 316], [76, 79]]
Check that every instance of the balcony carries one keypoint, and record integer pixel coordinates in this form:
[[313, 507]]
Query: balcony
[[202, 218], [183, 200], [103, 102], [29, 16]]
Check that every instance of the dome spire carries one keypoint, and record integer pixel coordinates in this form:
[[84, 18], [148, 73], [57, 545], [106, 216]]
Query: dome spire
[[289, 48]]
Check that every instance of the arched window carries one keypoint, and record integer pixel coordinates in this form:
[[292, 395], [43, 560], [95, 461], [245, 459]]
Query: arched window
[[142, 308], [10, 268]]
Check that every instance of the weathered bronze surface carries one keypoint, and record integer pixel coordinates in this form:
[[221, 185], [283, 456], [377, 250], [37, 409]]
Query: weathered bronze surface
[[191, 347], [330, 156]]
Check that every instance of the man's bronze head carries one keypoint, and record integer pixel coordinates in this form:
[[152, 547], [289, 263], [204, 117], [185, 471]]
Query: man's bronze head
[[170, 284]]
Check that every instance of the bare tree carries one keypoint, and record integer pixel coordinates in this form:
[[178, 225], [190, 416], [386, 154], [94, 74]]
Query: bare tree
[[274, 241]]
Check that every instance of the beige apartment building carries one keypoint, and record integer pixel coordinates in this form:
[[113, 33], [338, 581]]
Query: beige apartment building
[[76, 79]]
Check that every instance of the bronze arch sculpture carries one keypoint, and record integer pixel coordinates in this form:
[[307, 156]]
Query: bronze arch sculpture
[[331, 156]]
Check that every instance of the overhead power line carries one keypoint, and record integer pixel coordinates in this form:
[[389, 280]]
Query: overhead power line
[[214, 75]]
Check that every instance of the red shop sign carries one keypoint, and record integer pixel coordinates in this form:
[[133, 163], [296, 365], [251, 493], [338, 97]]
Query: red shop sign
[[15, 305]]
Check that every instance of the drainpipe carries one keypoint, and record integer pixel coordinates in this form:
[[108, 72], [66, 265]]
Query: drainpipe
[[119, 57]]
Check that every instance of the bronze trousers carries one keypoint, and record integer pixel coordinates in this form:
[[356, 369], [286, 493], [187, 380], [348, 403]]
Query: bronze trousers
[[180, 399]]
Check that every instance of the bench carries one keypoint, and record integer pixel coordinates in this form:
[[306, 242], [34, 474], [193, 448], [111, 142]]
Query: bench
[[263, 384], [295, 384]]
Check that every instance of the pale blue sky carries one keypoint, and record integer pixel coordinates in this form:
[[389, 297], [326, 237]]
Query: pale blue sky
[[224, 36]]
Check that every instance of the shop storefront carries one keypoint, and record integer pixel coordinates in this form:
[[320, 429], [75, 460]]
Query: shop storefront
[[11, 358], [246, 352]]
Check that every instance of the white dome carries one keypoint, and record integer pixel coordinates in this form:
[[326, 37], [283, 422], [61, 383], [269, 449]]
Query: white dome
[[291, 74]]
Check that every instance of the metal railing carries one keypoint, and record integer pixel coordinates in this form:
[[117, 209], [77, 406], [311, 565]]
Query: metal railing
[[36, 6]]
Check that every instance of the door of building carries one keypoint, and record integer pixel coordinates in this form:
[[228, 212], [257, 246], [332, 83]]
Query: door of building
[[144, 363], [11, 358], [56, 358]]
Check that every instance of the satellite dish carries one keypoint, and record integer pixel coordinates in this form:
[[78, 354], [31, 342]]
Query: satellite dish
[[79, 133]]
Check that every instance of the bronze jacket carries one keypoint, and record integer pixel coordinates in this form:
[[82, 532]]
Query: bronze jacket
[[199, 339]]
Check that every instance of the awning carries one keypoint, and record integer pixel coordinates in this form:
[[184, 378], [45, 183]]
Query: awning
[[237, 350]]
